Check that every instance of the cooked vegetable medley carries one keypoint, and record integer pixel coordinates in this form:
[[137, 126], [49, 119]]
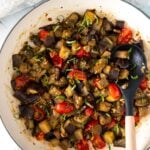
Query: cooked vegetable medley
[[67, 82]]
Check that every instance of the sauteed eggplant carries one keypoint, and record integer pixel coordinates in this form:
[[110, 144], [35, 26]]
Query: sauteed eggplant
[[68, 87]]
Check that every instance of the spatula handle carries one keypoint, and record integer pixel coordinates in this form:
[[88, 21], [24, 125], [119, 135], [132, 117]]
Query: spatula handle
[[130, 133]]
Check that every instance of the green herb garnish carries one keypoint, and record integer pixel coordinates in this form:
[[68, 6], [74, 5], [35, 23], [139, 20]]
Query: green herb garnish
[[134, 77], [130, 51], [88, 104], [60, 97]]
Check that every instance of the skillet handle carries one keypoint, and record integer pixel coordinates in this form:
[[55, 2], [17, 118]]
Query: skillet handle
[[130, 133]]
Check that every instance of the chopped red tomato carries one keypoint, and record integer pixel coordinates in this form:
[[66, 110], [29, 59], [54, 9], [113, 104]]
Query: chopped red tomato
[[83, 145], [77, 74], [82, 53], [90, 125], [111, 124], [43, 34], [114, 91], [125, 36], [57, 61], [122, 122], [98, 142], [21, 81], [40, 135], [39, 114], [144, 83], [95, 82], [64, 108], [89, 111]]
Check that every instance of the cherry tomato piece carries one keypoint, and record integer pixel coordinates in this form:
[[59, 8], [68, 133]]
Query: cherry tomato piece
[[40, 135], [64, 108], [125, 36], [21, 81], [114, 91], [95, 82], [89, 111], [82, 53], [83, 145], [77, 74], [57, 61], [144, 83], [98, 142], [43, 34], [90, 125]]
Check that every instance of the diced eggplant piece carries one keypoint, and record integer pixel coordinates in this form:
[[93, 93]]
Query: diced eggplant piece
[[100, 65], [85, 90], [54, 143], [119, 143], [65, 144], [26, 111], [109, 137], [94, 53], [102, 83], [54, 91], [16, 60], [72, 18], [107, 25], [78, 134], [75, 47], [53, 121], [122, 63], [24, 98], [84, 40], [64, 52], [123, 54], [105, 43], [97, 130], [44, 126], [69, 91], [104, 106], [70, 128], [50, 135], [114, 74], [79, 86], [107, 69], [61, 83], [119, 24], [106, 54], [80, 118], [104, 119], [98, 24], [142, 102], [66, 34], [49, 41], [139, 94], [96, 92], [24, 68], [78, 101], [35, 39], [124, 74]]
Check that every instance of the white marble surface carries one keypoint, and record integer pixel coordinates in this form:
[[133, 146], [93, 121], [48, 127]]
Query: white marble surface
[[6, 25]]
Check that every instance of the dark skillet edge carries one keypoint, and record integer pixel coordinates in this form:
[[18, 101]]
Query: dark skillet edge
[[20, 21]]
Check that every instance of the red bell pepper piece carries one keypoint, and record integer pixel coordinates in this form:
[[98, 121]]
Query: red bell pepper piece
[[144, 83], [64, 108], [57, 61], [125, 36], [98, 142], [83, 145], [77, 74], [95, 82], [88, 111], [39, 114], [43, 34], [82, 53]]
